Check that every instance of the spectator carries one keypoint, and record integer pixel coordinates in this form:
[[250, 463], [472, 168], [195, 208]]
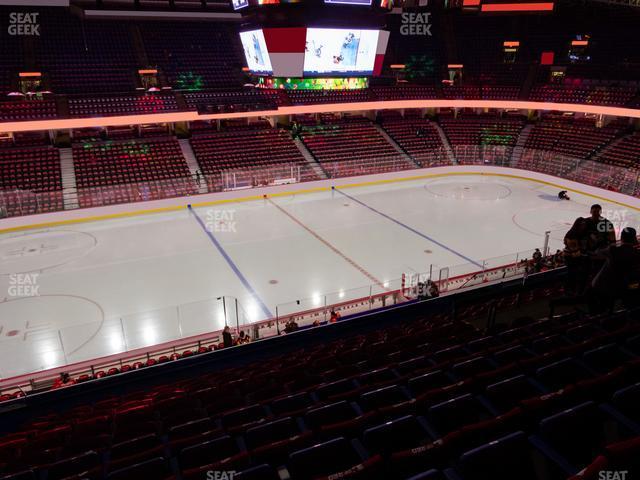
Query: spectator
[[537, 260], [619, 276], [243, 338], [63, 381], [558, 259], [227, 338], [432, 290], [601, 231], [335, 316], [291, 326], [576, 243], [530, 267]]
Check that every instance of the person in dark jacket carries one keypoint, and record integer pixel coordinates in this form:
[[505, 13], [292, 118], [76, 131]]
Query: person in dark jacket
[[619, 277], [576, 243], [601, 231], [227, 338]]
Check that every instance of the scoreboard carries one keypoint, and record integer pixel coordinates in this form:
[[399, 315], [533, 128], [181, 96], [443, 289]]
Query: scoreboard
[[303, 52]]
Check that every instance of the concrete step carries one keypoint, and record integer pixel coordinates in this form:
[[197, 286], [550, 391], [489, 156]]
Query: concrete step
[[69, 187], [309, 157], [194, 166], [445, 143]]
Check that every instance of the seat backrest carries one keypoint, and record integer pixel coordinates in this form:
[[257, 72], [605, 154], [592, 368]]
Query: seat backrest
[[153, 468], [503, 459], [399, 434], [312, 462], [271, 432], [208, 452], [454, 413], [290, 403], [328, 414], [627, 400], [428, 381], [383, 397]]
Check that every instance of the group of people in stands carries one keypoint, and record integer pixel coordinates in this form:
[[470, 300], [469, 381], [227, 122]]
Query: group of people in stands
[[229, 341], [540, 263], [601, 270], [292, 326]]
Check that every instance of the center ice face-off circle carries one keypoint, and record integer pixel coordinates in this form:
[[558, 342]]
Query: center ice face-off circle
[[468, 191]]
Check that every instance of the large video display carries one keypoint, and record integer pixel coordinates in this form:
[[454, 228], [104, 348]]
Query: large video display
[[331, 50], [255, 51]]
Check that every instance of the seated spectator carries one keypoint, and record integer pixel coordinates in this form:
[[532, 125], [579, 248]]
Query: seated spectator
[[537, 260], [243, 338], [433, 291], [64, 381], [291, 326]]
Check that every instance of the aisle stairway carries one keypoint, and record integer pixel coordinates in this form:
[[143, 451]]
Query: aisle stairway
[[69, 190], [192, 163], [395, 145], [315, 165], [445, 142], [520, 144]]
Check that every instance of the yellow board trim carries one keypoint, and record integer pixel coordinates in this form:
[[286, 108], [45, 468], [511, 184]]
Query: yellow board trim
[[223, 201]]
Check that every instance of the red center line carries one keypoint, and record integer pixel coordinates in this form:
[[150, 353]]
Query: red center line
[[332, 247]]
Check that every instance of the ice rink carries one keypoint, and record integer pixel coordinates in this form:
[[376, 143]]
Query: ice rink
[[92, 289]]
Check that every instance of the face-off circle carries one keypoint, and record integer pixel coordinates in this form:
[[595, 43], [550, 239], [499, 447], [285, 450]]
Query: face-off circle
[[40, 251], [468, 191], [26, 317]]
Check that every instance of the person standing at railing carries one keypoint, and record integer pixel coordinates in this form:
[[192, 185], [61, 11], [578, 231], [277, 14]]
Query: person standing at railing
[[227, 338]]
